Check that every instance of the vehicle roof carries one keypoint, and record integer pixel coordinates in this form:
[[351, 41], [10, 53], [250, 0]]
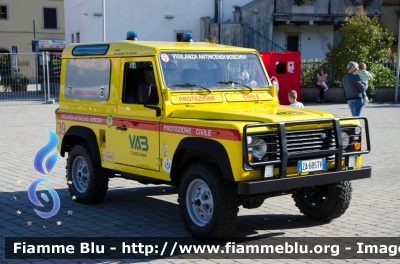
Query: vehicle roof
[[149, 48]]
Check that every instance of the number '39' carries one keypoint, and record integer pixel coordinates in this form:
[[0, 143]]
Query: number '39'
[[61, 128]]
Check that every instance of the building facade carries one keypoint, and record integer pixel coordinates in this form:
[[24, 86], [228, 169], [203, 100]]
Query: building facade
[[390, 19], [98, 20], [307, 26], [23, 21], [27, 26]]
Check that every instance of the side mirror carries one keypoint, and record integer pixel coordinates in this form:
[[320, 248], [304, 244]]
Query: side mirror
[[144, 93], [275, 83]]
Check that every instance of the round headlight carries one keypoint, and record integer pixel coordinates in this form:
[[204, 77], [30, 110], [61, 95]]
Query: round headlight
[[357, 130], [259, 148], [345, 140]]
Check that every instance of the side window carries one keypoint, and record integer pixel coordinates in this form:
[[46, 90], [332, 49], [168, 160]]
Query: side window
[[87, 79], [136, 73]]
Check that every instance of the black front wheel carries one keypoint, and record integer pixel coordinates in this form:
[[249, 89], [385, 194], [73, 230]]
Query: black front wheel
[[325, 202], [208, 203], [87, 181]]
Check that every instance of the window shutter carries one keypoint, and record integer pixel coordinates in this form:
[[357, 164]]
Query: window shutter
[[50, 18]]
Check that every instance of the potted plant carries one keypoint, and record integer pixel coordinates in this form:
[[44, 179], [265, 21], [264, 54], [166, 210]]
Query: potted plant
[[22, 82]]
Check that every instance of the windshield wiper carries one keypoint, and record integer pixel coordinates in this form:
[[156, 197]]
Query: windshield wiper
[[231, 82], [191, 85]]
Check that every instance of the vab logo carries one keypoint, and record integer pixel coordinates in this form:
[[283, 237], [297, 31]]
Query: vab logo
[[139, 143], [51, 161]]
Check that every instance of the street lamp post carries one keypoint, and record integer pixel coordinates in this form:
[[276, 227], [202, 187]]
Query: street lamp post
[[104, 20], [36, 56]]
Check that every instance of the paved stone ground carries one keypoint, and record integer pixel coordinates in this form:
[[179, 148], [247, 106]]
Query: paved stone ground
[[132, 209]]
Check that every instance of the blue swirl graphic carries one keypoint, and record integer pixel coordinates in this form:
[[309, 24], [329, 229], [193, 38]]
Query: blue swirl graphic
[[44, 197], [41, 154], [33, 198]]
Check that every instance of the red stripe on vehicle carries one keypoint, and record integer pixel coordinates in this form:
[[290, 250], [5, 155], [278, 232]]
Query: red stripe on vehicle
[[208, 132], [173, 128], [135, 124]]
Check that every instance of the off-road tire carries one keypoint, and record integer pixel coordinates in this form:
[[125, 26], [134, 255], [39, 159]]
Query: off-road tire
[[224, 196], [337, 201], [98, 177]]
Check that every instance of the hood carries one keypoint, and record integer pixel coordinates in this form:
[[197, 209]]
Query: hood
[[262, 114]]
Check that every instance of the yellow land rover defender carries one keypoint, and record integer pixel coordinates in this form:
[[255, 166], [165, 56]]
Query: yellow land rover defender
[[186, 114]]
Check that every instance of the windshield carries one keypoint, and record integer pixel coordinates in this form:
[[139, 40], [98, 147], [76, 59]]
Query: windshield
[[212, 70]]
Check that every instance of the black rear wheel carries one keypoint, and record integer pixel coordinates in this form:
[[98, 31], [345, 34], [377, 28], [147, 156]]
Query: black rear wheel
[[325, 202], [87, 181]]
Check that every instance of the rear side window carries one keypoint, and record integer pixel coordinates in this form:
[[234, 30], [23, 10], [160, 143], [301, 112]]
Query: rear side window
[[87, 79]]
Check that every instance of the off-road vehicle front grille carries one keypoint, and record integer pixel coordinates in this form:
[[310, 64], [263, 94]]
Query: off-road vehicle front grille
[[306, 141], [286, 143]]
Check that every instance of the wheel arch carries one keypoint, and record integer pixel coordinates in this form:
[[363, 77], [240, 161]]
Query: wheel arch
[[192, 150], [77, 134]]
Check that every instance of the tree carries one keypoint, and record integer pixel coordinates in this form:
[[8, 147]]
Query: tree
[[362, 40]]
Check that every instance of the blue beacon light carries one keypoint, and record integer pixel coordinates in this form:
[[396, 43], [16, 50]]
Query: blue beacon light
[[131, 35], [187, 37]]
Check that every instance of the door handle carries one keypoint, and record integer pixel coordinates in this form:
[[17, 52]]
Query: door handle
[[121, 128]]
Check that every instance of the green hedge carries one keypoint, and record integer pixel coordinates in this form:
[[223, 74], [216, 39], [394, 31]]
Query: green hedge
[[384, 74]]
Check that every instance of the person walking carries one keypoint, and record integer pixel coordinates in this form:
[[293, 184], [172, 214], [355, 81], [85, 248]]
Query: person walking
[[353, 88]]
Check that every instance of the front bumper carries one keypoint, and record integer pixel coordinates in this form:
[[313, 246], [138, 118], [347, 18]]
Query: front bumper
[[285, 184]]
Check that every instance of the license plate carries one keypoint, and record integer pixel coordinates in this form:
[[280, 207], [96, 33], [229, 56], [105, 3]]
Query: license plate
[[311, 165]]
